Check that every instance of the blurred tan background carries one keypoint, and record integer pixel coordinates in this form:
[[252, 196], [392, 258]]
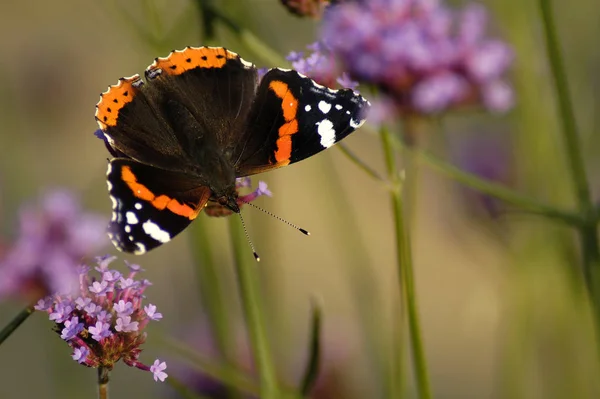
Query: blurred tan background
[[502, 310]]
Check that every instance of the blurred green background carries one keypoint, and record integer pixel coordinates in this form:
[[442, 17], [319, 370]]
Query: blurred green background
[[502, 306]]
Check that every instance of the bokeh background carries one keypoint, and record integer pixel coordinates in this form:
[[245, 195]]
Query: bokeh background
[[500, 294]]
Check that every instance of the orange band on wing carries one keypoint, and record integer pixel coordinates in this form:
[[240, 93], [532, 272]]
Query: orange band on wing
[[159, 202], [178, 62], [115, 98], [289, 107]]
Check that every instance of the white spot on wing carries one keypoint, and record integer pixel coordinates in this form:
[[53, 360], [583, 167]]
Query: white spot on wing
[[154, 231], [138, 206], [324, 106], [140, 248], [327, 133], [114, 201], [356, 124], [127, 228], [113, 217], [131, 218], [307, 108], [338, 107]]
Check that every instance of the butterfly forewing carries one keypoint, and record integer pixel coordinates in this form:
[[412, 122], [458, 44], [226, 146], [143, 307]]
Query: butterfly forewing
[[293, 118]]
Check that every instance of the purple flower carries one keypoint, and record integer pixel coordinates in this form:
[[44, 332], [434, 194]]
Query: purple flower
[[72, 328], [54, 235], [100, 288], [151, 312], [80, 354], [425, 56], [123, 308], [158, 370], [85, 319], [321, 66], [124, 324], [100, 330]]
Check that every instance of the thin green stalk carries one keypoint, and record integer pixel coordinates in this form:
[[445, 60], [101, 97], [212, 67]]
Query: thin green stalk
[[225, 373], [405, 267], [253, 42], [495, 190], [103, 377], [358, 162], [587, 231], [211, 291], [314, 354], [15, 323], [205, 7], [248, 285]]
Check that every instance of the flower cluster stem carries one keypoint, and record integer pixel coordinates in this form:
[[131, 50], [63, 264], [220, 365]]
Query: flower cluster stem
[[587, 230], [103, 377], [405, 267], [251, 301]]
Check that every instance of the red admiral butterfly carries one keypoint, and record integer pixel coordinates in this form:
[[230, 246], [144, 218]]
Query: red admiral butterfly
[[200, 120]]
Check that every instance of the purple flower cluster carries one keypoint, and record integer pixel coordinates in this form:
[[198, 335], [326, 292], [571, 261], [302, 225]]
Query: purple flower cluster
[[54, 236], [321, 65], [215, 209], [104, 319], [425, 56]]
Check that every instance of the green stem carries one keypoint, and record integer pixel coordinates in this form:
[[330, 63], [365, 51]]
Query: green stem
[[405, 267], [495, 190], [358, 162], [254, 43], [15, 323], [248, 285], [207, 16], [211, 291], [314, 354], [225, 373], [103, 377], [587, 230]]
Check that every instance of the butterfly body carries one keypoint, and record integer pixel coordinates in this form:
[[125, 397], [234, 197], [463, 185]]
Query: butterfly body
[[200, 120]]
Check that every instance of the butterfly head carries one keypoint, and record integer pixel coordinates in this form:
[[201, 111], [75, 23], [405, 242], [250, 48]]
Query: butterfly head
[[229, 201]]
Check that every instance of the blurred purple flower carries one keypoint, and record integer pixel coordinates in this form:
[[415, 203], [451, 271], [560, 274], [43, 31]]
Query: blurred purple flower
[[215, 209], [425, 56], [96, 340], [54, 236], [321, 65]]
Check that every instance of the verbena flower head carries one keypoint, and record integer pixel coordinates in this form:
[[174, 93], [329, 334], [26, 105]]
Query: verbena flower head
[[321, 65], [215, 209], [424, 55], [105, 318], [54, 236]]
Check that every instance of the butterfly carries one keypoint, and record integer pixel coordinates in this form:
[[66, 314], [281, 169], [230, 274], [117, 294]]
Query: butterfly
[[199, 120]]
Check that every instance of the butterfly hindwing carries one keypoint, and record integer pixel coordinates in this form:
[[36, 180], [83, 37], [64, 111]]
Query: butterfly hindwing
[[292, 118], [150, 205]]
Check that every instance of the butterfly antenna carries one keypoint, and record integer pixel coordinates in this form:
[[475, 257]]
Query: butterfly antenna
[[300, 229], [248, 239]]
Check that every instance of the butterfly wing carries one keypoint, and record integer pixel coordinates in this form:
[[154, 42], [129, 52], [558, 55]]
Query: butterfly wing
[[150, 205], [292, 118], [193, 100]]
